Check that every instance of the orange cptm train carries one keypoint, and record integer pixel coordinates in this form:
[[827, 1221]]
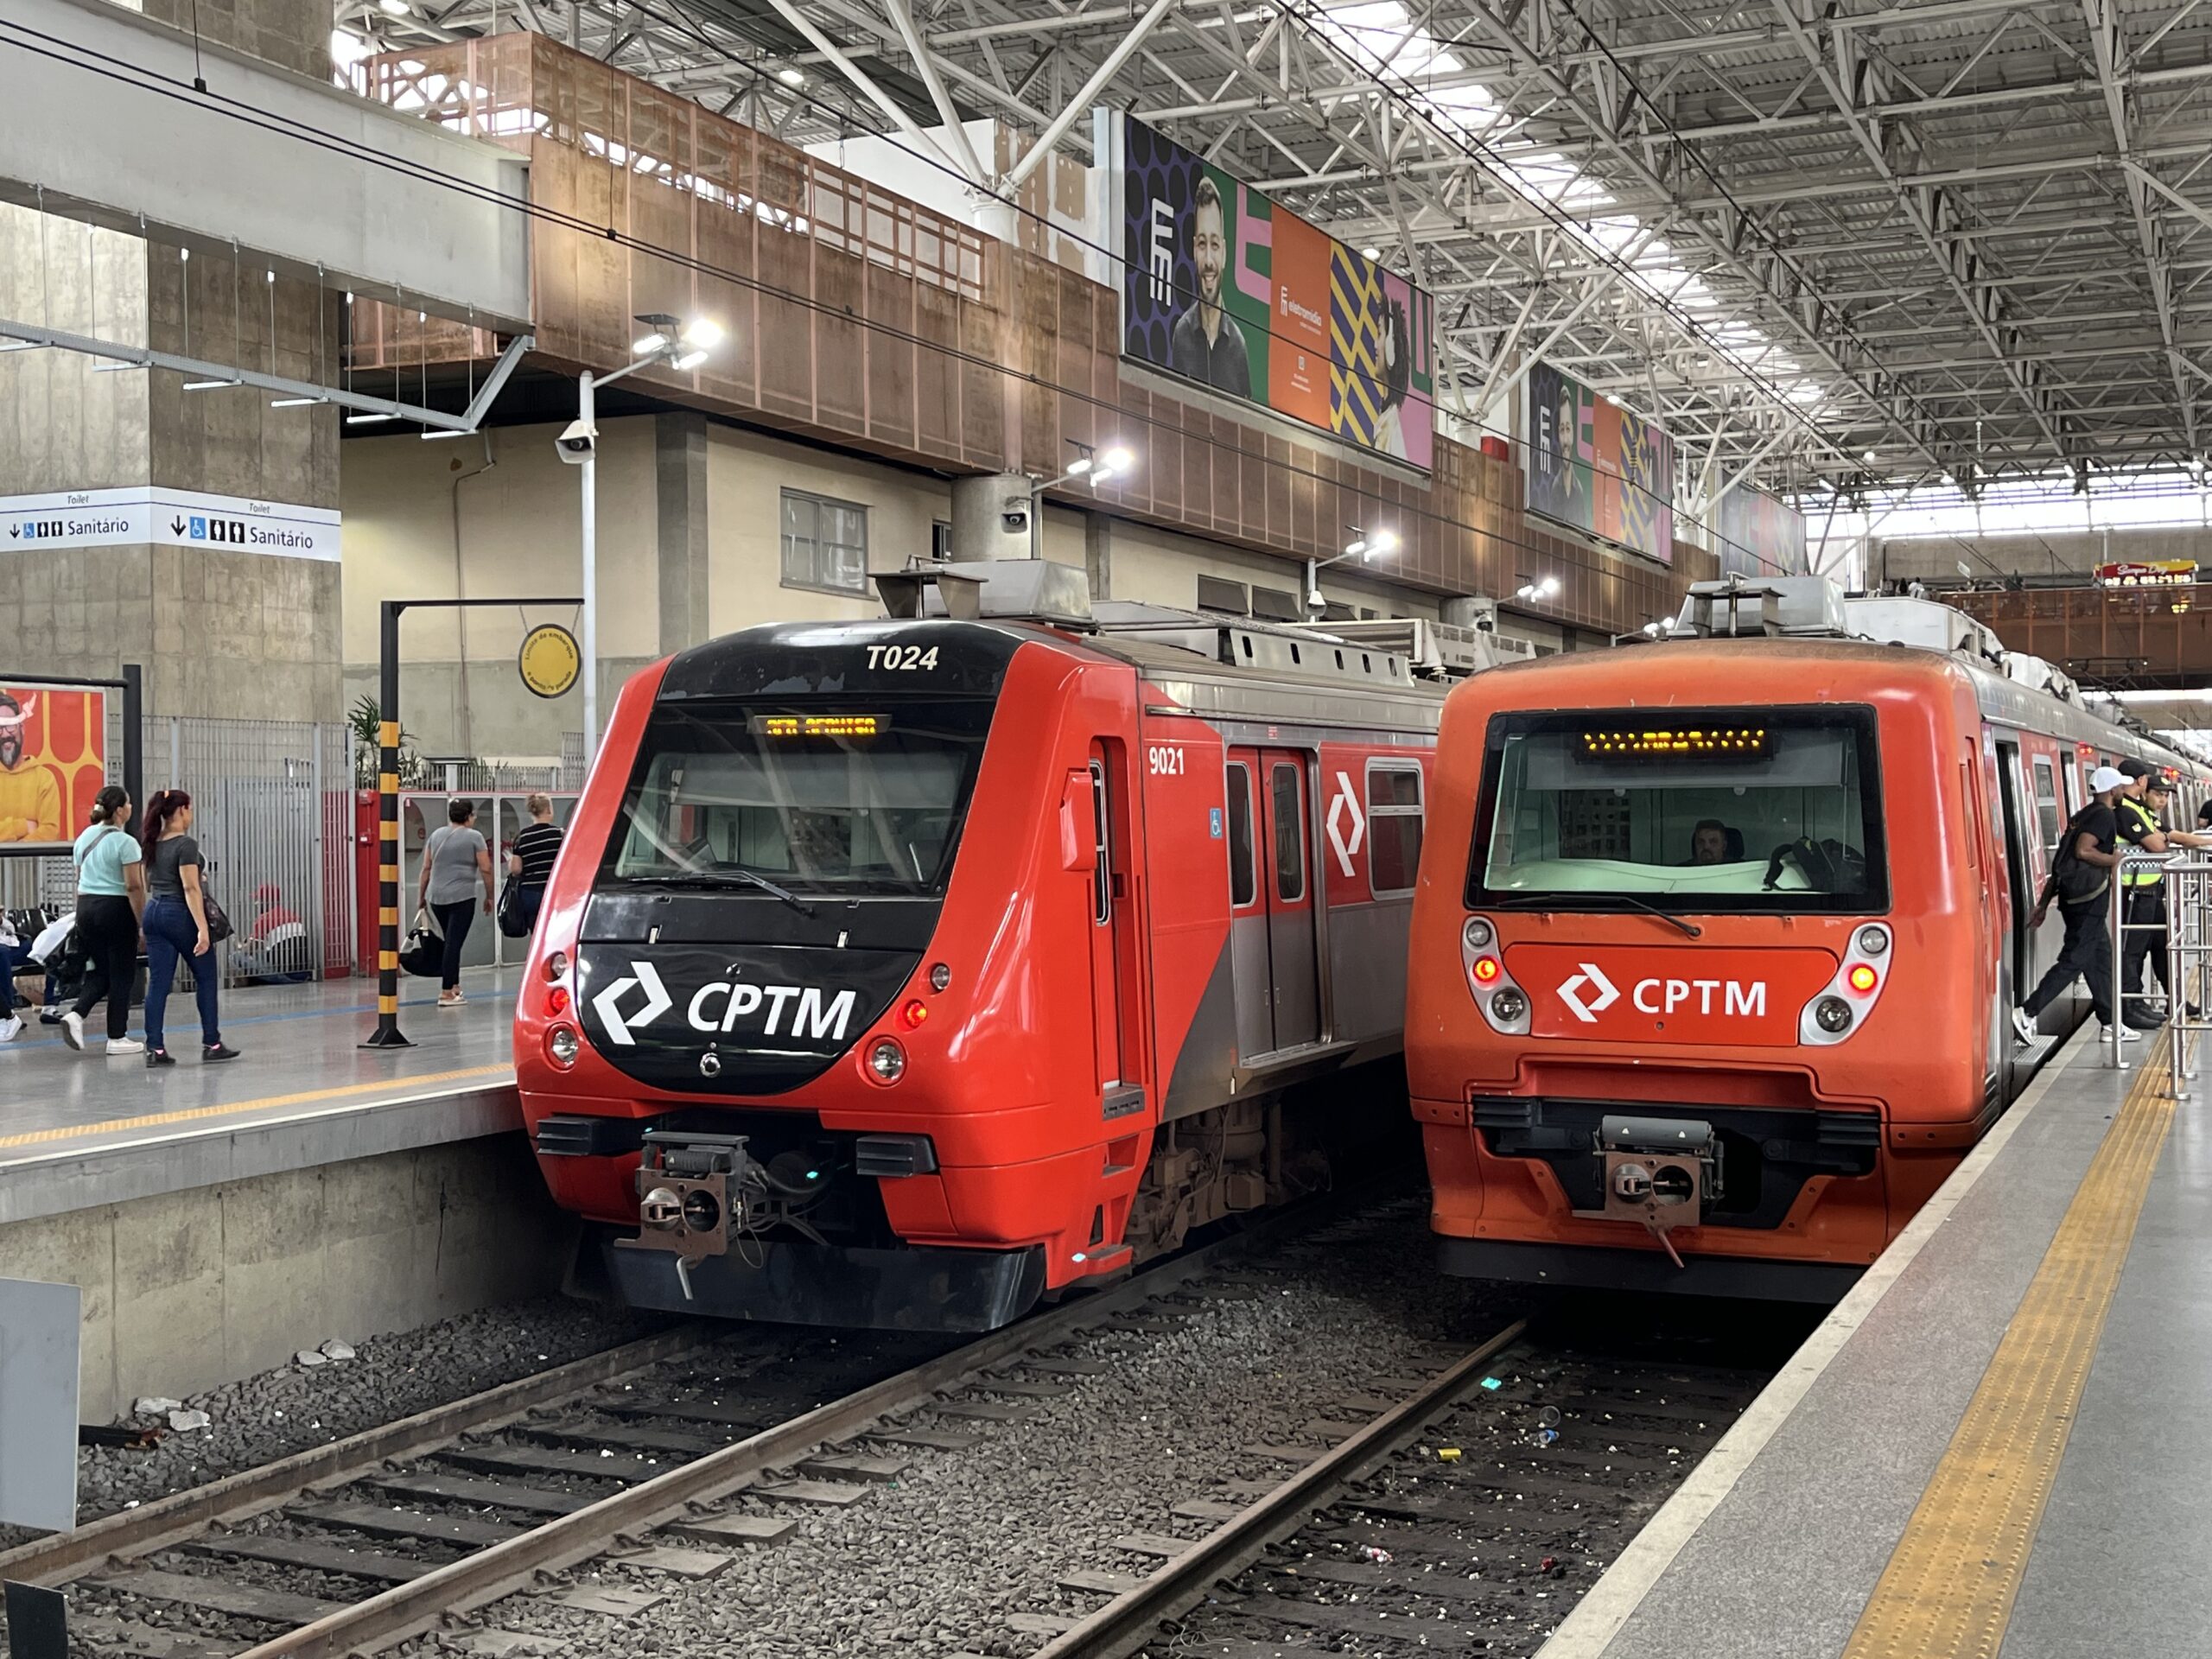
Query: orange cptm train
[[900, 973], [1716, 937]]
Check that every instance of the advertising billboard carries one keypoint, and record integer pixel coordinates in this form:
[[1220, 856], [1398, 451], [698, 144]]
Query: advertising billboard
[[1222, 287], [1594, 467], [53, 762], [1757, 536]]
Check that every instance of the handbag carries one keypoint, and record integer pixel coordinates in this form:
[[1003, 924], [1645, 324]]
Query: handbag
[[509, 916], [218, 920], [423, 953]]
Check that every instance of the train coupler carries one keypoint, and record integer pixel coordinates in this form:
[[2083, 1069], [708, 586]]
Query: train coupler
[[691, 1193], [1657, 1172]]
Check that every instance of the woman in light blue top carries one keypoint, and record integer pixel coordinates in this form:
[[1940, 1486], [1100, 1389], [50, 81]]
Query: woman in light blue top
[[111, 893]]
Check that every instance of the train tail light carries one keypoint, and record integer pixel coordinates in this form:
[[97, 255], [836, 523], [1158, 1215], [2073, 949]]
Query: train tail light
[[1841, 1007]]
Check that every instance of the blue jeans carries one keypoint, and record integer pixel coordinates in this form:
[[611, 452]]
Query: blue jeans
[[170, 933]]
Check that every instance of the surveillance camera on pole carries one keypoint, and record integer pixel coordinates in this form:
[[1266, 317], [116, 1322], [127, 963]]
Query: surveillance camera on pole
[[576, 442]]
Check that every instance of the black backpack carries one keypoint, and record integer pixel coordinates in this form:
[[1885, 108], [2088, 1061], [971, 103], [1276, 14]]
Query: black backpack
[[2073, 882], [1828, 865]]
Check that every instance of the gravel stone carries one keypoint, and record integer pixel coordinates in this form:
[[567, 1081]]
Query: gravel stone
[[276, 1413]]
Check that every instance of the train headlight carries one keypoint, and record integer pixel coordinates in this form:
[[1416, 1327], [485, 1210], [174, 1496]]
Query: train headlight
[[562, 1044], [1508, 1006], [887, 1061], [556, 965], [940, 976], [1873, 941], [1478, 934], [1832, 1015]]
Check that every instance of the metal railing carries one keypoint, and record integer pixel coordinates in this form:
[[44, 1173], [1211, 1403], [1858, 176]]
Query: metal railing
[[2184, 928]]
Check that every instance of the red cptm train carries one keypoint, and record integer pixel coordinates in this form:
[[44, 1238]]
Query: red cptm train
[[898, 973], [1716, 939]]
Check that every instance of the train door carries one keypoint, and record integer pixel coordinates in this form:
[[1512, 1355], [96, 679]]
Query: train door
[[1112, 917], [1287, 881], [1248, 910], [2019, 868]]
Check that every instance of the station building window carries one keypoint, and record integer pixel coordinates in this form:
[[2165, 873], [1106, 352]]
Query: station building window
[[1276, 604], [1226, 597], [825, 543]]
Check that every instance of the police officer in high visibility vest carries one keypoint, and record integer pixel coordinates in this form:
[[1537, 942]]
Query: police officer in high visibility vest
[[2142, 814]]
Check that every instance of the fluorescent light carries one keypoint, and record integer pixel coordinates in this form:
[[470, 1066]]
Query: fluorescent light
[[691, 360], [703, 334], [210, 385], [647, 344], [791, 77], [393, 8], [432, 437], [116, 368], [364, 420], [22, 345], [1078, 467], [296, 403], [1358, 548]]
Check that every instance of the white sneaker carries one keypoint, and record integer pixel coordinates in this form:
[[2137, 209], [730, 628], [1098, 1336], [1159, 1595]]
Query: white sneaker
[[9, 1029], [73, 1030], [125, 1046], [2126, 1034], [2026, 1025]]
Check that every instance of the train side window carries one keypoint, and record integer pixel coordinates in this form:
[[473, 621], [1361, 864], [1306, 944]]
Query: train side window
[[1102, 876], [1394, 823], [2046, 815], [1242, 888], [1290, 834]]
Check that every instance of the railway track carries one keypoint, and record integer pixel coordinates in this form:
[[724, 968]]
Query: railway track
[[596, 1493]]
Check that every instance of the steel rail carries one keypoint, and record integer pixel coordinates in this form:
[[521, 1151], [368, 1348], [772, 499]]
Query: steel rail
[[419, 1605], [183, 1514], [1134, 1617]]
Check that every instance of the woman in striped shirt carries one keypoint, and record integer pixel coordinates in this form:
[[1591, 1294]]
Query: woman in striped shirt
[[531, 855]]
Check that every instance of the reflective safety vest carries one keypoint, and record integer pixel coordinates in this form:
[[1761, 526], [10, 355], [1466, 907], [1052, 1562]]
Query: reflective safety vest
[[2146, 821]]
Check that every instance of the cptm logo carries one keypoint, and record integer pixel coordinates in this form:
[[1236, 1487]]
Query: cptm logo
[[1587, 994]]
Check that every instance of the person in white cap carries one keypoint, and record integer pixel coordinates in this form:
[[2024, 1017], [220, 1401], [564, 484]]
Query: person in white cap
[[2081, 884]]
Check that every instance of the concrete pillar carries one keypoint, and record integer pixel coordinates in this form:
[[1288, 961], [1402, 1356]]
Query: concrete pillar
[[220, 632], [293, 35], [680, 486], [1098, 552]]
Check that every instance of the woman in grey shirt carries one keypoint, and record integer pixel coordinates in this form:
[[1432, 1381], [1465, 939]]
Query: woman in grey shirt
[[175, 925], [455, 864]]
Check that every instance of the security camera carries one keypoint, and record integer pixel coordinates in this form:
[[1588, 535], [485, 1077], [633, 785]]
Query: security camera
[[577, 439], [1014, 516]]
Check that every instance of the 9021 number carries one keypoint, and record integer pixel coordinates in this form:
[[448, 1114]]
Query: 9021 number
[[1163, 762], [902, 659]]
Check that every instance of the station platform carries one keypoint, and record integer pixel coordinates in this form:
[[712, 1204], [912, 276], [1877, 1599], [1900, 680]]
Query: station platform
[[1994, 1445], [82, 1130]]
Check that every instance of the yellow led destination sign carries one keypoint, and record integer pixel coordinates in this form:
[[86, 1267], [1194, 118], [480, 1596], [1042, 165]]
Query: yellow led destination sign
[[1682, 742], [820, 725]]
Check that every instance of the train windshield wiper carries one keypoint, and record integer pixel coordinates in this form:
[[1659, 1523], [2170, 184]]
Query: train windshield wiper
[[702, 879], [1650, 909]]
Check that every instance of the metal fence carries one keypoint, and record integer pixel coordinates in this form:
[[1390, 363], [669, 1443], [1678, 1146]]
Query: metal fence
[[273, 807], [2188, 939]]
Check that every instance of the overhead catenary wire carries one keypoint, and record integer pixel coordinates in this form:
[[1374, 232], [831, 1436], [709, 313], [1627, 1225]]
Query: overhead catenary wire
[[86, 58]]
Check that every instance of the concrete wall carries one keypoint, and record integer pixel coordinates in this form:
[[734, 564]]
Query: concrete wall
[[226, 633], [191, 1289], [690, 546], [2049, 554]]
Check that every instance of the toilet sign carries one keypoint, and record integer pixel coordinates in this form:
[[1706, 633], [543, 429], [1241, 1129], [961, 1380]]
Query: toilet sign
[[38, 1404], [150, 514]]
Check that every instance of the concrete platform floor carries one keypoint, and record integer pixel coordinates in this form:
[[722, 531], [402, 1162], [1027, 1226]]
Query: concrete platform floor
[[1993, 1446], [78, 1129]]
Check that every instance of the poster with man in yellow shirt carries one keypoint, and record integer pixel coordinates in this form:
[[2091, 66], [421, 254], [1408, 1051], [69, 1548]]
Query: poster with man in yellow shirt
[[53, 750]]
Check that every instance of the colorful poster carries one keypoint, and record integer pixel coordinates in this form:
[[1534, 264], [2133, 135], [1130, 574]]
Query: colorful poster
[[53, 762], [1223, 288], [1757, 536], [1594, 466]]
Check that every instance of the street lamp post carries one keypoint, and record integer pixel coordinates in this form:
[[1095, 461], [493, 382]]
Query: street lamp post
[[1364, 546], [680, 346], [1093, 469]]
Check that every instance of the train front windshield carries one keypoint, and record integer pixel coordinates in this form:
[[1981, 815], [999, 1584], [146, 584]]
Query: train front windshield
[[1744, 810], [813, 797]]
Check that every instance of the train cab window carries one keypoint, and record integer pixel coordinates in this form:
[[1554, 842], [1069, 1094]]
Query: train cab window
[[1242, 889], [1394, 824], [2048, 819], [1290, 834], [1729, 810], [856, 801], [1102, 872]]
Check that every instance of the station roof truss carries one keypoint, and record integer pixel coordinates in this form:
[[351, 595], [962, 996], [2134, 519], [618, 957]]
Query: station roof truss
[[1970, 236]]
